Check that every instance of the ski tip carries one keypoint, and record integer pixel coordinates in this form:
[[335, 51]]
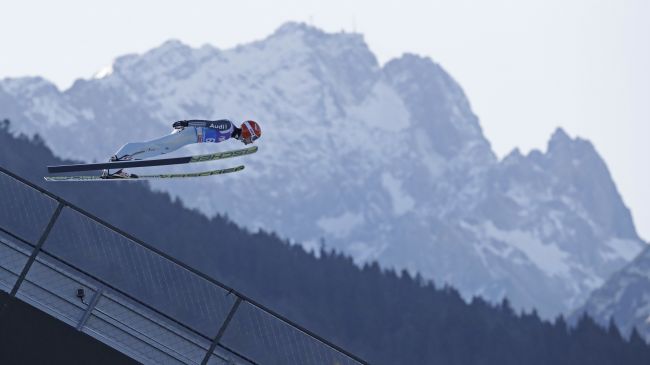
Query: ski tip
[[51, 178]]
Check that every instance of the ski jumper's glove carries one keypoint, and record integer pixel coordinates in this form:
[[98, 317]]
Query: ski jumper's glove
[[180, 124]]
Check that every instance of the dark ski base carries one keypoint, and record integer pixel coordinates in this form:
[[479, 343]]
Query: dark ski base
[[146, 177], [155, 162]]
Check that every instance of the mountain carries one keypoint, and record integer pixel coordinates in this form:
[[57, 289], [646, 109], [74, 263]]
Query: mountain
[[384, 163], [624, 298], [381, 315]]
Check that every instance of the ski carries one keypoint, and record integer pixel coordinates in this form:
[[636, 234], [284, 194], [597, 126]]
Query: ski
[[154, 162], [146, 177]]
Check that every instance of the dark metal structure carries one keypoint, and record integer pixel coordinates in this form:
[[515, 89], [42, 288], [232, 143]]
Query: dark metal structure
[[122, 291]]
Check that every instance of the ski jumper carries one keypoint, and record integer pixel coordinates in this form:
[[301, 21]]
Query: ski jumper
[[213, 131]]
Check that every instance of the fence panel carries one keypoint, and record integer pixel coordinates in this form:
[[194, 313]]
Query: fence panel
[[149, 306], [24, 211], [13, 257], [147, 326], [267, 339], [139, 272]]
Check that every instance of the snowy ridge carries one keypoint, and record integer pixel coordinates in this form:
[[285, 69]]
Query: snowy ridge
[[390, 163], [625, 297]]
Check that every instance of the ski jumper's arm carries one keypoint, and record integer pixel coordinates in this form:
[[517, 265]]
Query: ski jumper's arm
[[221, 124], [209, 130]]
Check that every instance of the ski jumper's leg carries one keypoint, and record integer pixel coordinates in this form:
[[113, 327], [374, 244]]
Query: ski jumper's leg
[[159, 146]]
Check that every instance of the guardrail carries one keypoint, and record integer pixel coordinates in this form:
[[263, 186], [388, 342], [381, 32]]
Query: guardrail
[[133, 297]]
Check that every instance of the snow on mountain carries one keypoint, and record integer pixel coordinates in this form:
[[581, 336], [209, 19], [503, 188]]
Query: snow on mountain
[[385, 163], [625, 297], [561, 210]]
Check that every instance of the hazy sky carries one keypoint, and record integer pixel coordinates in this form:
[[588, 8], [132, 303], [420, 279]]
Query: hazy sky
[[526, 66]]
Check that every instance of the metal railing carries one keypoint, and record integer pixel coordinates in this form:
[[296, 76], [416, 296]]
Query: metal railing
[[133, 297]]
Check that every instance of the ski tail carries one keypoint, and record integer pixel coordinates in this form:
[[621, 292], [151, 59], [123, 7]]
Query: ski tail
[[146, 177], [154, 162]]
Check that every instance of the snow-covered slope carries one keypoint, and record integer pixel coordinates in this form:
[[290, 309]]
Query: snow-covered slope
[[625, 297], [385, 163]]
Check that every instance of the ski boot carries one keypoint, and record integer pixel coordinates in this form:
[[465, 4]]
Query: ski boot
[[119, 174]]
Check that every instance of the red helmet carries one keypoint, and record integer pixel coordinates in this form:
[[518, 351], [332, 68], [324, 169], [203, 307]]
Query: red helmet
[[250, 131]]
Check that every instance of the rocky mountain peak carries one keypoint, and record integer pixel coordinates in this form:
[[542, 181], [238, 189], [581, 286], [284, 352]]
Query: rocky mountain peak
[[31, 86], [562, 147], [315, 37], [582, 174], [342, 61], [292, 27], [438, 105], [515, 156], [559, 137]]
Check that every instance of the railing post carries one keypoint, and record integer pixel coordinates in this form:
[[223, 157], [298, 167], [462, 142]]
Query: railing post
[[37, 249], [91, 307], [222, 330]]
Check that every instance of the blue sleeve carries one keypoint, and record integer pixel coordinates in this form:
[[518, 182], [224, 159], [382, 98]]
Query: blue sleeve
[[218, 131]]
